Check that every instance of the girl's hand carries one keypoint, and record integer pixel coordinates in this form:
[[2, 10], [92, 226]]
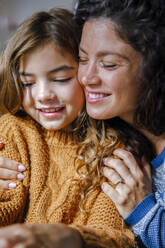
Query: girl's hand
[[40, 236], [10, 169], [132, 183]]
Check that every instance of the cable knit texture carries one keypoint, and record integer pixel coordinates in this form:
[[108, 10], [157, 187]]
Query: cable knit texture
[[47, 194]]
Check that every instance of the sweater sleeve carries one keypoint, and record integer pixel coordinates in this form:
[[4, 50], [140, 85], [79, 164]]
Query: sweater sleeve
[[105, 228], [148, 218], [13, 202]]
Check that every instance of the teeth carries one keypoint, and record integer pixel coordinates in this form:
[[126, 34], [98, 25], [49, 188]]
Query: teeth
[[94, 96], [50, 110]]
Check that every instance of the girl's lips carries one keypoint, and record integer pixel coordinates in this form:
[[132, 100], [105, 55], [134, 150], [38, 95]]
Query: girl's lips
[[94, 97], [51, 112]]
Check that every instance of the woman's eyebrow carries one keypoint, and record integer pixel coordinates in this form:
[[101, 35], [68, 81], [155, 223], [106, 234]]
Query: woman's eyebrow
[[105, 53]]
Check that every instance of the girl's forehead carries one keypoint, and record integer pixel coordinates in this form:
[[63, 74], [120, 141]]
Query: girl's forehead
[[48, 48], [46, 59]]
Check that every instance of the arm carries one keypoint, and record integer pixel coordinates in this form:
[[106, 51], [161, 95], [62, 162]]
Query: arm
[[148, 221], [50, 236], [142, 210], [40, 235], [13, 202]]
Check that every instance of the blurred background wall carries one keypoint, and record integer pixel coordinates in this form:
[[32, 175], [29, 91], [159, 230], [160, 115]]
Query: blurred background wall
[[13, 12]]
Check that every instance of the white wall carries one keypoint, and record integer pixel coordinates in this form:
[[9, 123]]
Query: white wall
[[13, 12]]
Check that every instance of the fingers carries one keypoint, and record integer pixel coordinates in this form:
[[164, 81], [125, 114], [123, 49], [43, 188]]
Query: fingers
[[6, 184], [11, 165], [10, 169], [132, 184], [119, 171], [130, 162], [111, 175], [8, 174], [119, 195], [4, 243], [17, 236]]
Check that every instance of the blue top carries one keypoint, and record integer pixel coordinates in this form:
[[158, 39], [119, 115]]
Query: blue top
[[148, 218]]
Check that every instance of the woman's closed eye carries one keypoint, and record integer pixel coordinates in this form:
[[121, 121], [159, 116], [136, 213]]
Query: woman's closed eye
[[108, 65]]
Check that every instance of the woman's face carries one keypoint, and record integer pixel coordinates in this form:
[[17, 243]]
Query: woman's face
[[108, 72], [52, 95]]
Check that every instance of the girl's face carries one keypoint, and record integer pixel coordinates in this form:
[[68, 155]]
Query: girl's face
[[108, 72], [52, 95]]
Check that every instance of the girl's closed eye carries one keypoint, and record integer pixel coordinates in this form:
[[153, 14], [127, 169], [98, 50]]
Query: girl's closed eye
[[82, 59], [27, 84], [62, 80]]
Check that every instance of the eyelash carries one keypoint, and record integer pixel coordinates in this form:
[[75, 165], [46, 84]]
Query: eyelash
[[81, 60], [25, 85], [109, 66], [62, 80]]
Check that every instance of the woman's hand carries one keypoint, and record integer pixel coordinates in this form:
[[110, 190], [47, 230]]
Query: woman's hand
[[10, 169], [132, 183], [40, 236]]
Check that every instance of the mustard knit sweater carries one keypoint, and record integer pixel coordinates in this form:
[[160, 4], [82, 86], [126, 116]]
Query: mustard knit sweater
[[47, 195]]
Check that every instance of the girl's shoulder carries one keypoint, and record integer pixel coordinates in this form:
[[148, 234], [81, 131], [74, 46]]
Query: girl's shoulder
[[10, 123]]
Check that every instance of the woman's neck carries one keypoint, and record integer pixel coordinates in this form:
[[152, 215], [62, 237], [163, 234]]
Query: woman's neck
[[157, 141]]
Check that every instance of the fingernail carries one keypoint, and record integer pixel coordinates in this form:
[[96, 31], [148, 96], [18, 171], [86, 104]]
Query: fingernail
[[12, 185], [105, 160], [4, 243], [2, 145], [21, 167], [103, 186], [104, 170], [20, 176]]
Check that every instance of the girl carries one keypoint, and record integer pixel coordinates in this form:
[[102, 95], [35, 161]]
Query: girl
[[39, 74]]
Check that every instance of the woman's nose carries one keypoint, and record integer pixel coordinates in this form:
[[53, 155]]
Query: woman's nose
[[90, 76], [92, 80]]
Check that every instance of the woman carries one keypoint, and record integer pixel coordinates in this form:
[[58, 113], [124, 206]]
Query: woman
[[123, 74]]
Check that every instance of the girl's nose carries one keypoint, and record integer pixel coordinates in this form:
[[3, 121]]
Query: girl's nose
[[45, 92]]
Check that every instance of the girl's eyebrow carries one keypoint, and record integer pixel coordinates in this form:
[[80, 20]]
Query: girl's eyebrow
[[55, 70]]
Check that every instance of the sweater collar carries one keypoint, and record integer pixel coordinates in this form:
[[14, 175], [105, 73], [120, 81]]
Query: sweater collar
[[156, 162]]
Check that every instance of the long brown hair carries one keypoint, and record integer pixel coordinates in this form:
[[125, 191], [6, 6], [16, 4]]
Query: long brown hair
[[56, 26]]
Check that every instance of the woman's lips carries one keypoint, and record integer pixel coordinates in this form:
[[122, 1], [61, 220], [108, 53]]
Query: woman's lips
[[94, 97]]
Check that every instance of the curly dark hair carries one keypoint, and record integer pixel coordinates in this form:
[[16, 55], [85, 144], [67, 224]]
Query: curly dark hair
[[140, 23]]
